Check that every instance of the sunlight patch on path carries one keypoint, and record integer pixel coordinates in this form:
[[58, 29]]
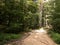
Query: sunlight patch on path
[[41, 30]]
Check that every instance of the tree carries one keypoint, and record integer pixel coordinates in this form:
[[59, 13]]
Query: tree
[[56, 16], [18, 16]]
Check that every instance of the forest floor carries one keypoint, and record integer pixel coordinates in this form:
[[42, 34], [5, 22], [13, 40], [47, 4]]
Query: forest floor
[[36, 37]]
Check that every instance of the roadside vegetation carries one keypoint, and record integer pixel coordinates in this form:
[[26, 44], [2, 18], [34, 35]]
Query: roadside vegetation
[[55, 36], [17, 16], [55, 31], [6, 37]]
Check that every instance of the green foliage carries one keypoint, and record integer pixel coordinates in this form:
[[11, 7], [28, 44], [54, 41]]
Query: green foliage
[[9, 36], [56, 25], [5, 37], [55, 36], [17, 16], [55, 22], [56, 16]]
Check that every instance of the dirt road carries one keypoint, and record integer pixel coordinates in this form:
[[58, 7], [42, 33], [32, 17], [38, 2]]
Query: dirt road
[[36, 38]]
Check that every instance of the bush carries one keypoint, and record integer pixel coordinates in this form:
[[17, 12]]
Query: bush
[[56, 25], [55, 36], [4, 37], [18, 16]]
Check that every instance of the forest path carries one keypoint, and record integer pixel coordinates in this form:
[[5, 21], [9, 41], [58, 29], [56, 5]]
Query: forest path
[[36, 37]]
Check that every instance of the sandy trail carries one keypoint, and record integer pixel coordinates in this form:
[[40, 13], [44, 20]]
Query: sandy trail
[[37, 37]]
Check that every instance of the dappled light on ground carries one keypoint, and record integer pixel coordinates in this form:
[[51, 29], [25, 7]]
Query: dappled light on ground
[[41, 30], [38, 37]]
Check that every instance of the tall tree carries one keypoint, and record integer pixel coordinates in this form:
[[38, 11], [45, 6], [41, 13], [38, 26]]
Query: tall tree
[[56, 16], [18, 15]]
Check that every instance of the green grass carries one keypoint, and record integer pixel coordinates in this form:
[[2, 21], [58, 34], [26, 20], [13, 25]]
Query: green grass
[[4, 37], [55, 36]]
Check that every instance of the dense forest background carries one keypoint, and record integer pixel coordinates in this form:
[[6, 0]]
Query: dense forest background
[[18, 16]]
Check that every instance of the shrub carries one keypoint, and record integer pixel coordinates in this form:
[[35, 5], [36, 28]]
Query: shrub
[[55, 36], [56, 25], [5, 37]]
